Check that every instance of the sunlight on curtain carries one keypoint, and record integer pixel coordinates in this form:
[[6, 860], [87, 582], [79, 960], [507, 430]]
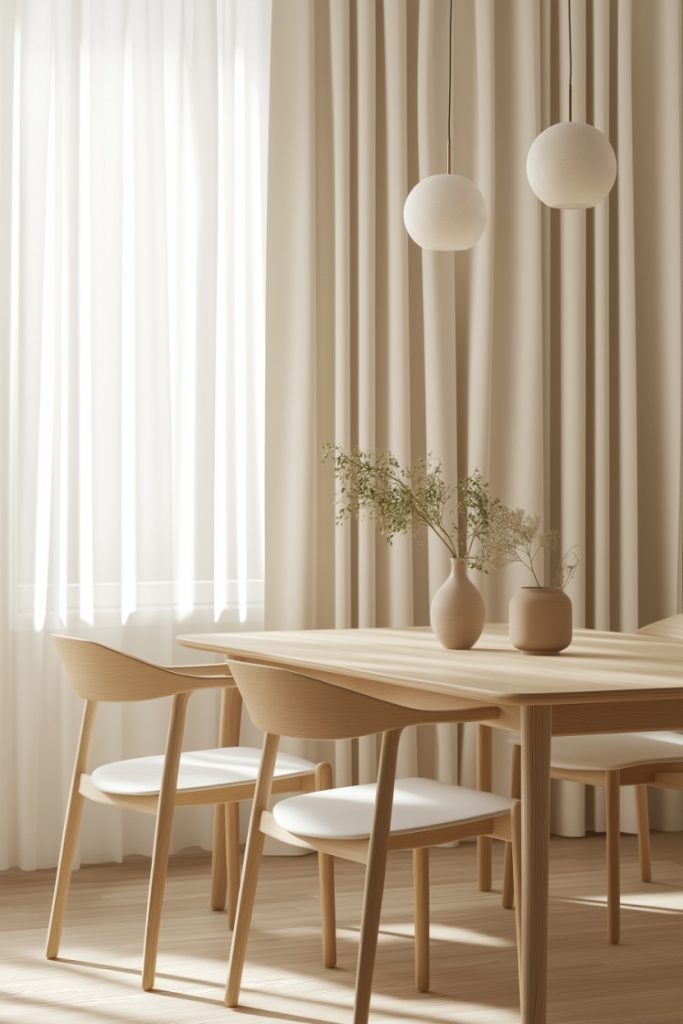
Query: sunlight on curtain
[[132, 192]]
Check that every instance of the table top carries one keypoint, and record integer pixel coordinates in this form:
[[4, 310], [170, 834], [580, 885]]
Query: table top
[[598, 666]]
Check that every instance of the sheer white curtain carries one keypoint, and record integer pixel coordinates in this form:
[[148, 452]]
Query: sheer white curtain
[[132, 149]]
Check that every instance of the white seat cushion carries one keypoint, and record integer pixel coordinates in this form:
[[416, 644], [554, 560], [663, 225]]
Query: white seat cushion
[[612, 751], [347, 813], [199, 769]]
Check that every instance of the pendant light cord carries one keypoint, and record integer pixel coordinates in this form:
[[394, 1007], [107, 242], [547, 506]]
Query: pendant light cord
[[450, 85], [571, 63]]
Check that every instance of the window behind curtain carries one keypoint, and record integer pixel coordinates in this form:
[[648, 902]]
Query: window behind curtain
[[133, 230], [132, 185]]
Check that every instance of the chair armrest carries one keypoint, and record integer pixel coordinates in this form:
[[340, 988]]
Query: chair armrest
[[188, 682], [212, 671]]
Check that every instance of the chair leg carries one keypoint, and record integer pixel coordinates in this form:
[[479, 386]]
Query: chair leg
[[250, 870], [374, 875], [515, 783], [643, 816], [421, 904], [72, 826], [162, 838], [515, 849], [612, 793], [218, 868], [229, 736], [508, 883], [323, 780], [484, 843], [232, 847]]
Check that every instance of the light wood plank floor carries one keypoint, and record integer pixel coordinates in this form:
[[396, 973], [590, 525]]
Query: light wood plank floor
[[473, 959]]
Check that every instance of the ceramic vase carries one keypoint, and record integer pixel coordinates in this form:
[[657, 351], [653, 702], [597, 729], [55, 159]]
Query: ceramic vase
[[457, 611], [540, 620]]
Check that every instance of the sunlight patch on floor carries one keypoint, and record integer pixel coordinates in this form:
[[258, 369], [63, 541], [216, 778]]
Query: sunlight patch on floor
[[427, 1008], [449, 933], [647, 901]]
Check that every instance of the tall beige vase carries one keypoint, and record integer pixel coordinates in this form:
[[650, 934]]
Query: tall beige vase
[[540, 620], [457, 612]]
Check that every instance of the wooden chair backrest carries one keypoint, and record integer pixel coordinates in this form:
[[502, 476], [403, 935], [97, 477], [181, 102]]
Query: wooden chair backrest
[[668, 629], [100, 673], [287, 703]]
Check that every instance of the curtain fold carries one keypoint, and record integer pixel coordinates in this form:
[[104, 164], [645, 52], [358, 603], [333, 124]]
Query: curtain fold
[[132, 258], [549, 356]]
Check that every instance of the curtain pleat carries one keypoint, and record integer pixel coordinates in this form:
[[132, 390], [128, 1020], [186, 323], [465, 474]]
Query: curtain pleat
[[549, 356], [598, 384]]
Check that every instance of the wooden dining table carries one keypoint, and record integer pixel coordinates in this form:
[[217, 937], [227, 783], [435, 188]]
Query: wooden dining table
[[604, 682]]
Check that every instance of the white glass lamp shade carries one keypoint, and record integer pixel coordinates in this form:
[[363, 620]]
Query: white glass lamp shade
[[445, 212], [571, 166]]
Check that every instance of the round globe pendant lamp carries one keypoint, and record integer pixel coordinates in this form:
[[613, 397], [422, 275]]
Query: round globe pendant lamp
[[571, 165], [445, 212]]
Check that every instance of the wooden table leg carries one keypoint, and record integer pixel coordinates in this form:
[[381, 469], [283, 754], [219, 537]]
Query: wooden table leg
[[515, 783], [536, 730], [484, 843], [643, 819]]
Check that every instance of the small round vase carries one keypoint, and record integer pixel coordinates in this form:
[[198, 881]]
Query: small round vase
[[457, 612], [540, 620]]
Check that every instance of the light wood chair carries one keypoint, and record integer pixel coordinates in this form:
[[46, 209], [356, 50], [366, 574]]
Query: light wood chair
[[359, 823], [668, 629], [157, 784], [611, 761]]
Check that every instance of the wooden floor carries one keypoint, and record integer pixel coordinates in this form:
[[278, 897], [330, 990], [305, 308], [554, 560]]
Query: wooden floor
[[473, 958]]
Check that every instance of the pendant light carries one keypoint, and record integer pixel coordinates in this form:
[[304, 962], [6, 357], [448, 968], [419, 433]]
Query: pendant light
[[445, 212], [571, 165]]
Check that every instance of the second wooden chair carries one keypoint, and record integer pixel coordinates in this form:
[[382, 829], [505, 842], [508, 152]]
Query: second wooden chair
[[359, 823]]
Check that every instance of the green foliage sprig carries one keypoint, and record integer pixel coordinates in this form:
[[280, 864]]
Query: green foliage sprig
[[374, 484]]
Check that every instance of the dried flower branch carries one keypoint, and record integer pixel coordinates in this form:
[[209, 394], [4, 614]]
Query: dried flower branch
[[518, 540]]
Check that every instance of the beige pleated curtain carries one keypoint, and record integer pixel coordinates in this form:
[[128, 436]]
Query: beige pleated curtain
[[549, 356]]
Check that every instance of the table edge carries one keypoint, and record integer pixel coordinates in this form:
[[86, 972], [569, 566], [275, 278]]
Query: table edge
[[480, 696]]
